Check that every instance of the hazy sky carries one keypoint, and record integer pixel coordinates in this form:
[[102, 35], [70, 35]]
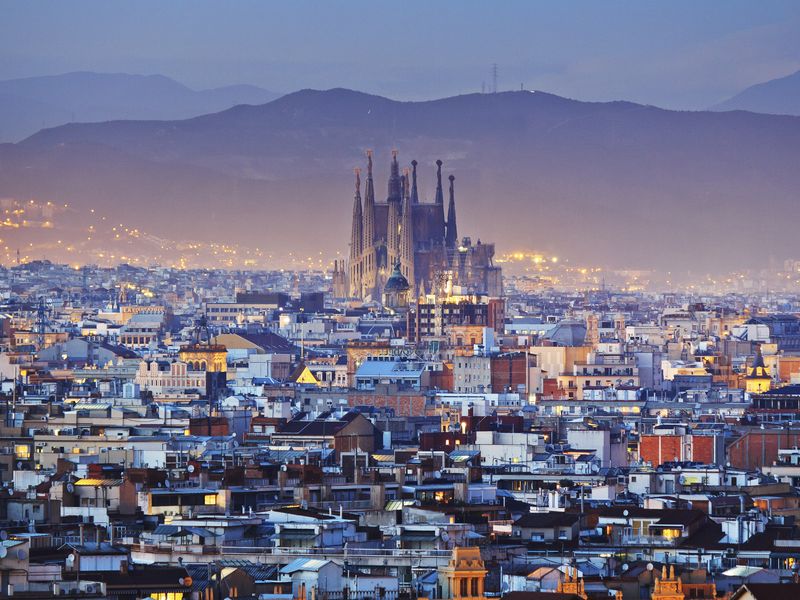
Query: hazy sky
[[681, 54]]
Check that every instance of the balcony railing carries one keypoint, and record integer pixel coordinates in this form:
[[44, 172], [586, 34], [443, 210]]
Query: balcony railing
[[168, 548]]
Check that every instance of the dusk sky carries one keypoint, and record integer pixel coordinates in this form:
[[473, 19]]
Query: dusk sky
[[677, 54]]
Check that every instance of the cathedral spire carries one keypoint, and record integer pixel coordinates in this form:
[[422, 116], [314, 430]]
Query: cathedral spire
[[394, 179], [407, 234], [394, 222], [452, 230], [369, 259], [439, 193], [356, 239], [369, 206], [439, 203], [414, 194], [356, 245]]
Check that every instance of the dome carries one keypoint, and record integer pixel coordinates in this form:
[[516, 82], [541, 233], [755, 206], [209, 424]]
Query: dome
[[396, 282]]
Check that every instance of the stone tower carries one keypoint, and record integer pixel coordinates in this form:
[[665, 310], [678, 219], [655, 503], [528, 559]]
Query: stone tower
[[369, 257], [464, 576], [356, 241], [668, 587], [451, 237], [407, 233]]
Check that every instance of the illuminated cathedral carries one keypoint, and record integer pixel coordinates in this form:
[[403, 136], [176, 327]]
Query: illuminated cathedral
[[415, 238]]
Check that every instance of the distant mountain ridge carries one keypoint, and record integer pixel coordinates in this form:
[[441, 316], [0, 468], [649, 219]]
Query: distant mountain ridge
[[33, 103], [614, 183], [777, 97]]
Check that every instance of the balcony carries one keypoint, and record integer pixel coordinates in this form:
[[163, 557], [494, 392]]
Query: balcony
[[645, 540]]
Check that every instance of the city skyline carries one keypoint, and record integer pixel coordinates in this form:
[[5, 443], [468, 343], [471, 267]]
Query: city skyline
[[399, 301]]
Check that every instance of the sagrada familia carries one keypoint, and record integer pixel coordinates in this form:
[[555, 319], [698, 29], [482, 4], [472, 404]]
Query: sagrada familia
[[403, 236]]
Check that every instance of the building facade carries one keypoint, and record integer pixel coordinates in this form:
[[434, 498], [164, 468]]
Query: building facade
[[414, 236]]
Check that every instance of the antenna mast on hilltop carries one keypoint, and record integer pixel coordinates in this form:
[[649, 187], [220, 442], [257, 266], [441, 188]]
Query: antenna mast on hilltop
[[494, 78]]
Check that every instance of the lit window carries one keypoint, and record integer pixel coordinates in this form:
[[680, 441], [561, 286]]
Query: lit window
[[22, 451], [210, 499]]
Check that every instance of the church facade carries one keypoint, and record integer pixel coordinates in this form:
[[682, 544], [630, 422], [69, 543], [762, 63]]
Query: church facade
[[415, 237]]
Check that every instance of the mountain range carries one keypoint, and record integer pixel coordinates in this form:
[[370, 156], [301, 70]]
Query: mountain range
[[615, 184], [30, 104], [777, 97]]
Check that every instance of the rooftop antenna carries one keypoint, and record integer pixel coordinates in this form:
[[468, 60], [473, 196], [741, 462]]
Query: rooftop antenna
[[494, 78]]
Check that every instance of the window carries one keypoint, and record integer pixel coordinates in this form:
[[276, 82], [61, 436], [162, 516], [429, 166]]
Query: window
[[210, 499]]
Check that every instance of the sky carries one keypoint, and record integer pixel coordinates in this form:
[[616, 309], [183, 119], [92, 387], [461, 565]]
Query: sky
[[676, 54]]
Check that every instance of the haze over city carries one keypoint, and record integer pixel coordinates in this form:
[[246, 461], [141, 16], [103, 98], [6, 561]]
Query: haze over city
[[640, 176]]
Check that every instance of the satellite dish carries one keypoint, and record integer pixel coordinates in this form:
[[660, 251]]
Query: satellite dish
[[3, 551], [70, 560], [649, 566], [445, 537], [235, 444], [167, 483], [190, 468], [437, 474], [19, 465], [70, 487], [21, 555], [284, 468], [625, 512], [625, 567]]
